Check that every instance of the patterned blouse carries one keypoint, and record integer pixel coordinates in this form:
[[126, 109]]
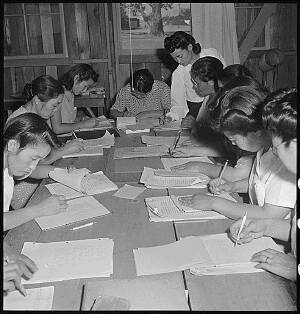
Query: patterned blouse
[[159, 98]]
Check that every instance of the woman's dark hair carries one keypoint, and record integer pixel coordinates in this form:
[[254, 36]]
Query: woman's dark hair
[[232, 71], [279, 114], [29, 129], [45, 87], [241, 110], [142, 80], [207, 69], [180, 40], [84, 71]]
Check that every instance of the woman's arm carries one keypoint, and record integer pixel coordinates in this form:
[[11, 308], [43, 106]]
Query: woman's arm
[[41, 171]]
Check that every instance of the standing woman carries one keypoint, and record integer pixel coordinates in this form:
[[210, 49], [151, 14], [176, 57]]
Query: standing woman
[[75, 82], [185, 51]]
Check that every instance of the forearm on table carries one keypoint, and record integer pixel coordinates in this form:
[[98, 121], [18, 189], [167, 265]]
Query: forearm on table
[[55, 154], [41, 171], [278, 228], [61, 128], [238, 210], [18, 217], [240, 186]]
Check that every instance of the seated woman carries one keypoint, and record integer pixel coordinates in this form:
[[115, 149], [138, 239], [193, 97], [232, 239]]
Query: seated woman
[[142, 98], [27, 140], [272, 190], [75, 81], [184, 50], [280, 118]]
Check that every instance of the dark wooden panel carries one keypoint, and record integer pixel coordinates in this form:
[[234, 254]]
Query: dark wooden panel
[[7, 86], [71, 36], [101, 68], [19, 80], [41, 70], [28, 74]]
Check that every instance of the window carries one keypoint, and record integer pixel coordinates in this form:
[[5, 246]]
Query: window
[[150, 23], [34, 30], [245, 14]]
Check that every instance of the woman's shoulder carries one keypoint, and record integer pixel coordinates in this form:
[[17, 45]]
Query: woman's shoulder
[[160, 85]]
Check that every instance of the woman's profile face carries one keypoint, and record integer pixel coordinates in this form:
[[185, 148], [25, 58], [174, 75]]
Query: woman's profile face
[[203, 88], [47, 109], [250, 142], [183, 56], [21, 162], [80, 87]]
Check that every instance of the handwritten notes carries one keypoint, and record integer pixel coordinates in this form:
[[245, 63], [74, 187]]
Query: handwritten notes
[[57, 261], [129, 191], [134, 152], [171, 162]]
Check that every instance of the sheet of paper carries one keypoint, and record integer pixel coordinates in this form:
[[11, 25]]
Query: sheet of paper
[[129, 191], [176, 256], [78, 209], [89, 151], [97, 183], [37, 299], [124, 121], [173, 125], [61, 189], [134, 152], [171, 162], [57, 261], [107, 140], [162, 140], [164, 208], [103, 124]]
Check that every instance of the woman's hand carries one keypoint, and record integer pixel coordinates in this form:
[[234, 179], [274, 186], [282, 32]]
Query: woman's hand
[[73, 146], [197, 201], [11, 277], [89, 123], [191, 166], [253, 229], [215, 188], [52, 205], [188, 122], [281, 264]]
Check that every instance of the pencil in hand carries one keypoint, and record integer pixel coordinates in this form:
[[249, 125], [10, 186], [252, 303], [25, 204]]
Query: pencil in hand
[[221, 174]]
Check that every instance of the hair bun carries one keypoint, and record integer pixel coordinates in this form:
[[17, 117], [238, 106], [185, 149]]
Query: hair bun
[[27, 91], [196, 48]]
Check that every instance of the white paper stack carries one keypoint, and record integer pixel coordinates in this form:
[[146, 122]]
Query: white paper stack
[[103, 124], [168, 208], [66, 260], [78, 209], [142, 151], [162, 140], [171, 162], [122, 122], [153, 181], [37, 299], [200, 253]]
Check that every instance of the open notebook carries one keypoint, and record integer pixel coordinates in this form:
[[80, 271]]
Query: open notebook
[[142, 151], [168, 208], [83, 180], [206, 252], [162, 140]]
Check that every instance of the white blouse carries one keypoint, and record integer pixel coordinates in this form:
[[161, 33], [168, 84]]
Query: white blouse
[[8, 183]]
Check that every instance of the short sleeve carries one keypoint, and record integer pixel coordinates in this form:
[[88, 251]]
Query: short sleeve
[[120, 103]]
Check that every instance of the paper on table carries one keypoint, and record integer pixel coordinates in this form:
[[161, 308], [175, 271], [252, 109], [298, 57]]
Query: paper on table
[[176, 256], [168, 208], [162, 140], [107, 140], [171, 162], [124, 121], [89, 151], [129, 191], [57, 261], [103, 124], [173, 125], [61, 189], [78, 209], [134, 152], [37, 299]]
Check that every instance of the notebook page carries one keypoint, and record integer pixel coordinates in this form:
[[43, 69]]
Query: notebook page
[[37, 299], [161, 140], [123, 121], [133, 152], [129, 191], [78, 209], [60, 189], [171, 162], [96, 183], [57, 261], [88, 151], [107, 140], [223, 252]]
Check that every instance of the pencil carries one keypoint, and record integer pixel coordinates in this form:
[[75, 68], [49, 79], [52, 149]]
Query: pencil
[[222, 172], [74, 134], [176, 140], [241, 227]]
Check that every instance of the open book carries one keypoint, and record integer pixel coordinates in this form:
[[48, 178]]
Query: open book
[[83, 180], [168, 208]]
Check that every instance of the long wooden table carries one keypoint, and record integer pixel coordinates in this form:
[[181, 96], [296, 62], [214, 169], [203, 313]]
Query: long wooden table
[[128, 225]]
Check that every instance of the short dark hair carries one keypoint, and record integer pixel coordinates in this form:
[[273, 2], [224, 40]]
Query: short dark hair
[[234, 70], [180, 40], [142, 80], [208, 69], [29, 129], [279, 114], [84, 71], [45, 87]]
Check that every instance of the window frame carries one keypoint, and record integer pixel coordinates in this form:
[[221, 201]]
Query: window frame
[[42, 56]]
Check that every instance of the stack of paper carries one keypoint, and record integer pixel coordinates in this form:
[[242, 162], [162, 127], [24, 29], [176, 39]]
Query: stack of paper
[[106, 141], [229, 259], [103, 124], [82, 180], [134, 152], [153, 181], [122, 122], [171, 162], [207, 252], [78, 209], [162, 140], [168, 208], [57, 261], [37, 299]]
